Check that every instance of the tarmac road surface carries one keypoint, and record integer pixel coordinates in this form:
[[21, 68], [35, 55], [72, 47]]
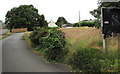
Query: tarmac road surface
[[17, 57]]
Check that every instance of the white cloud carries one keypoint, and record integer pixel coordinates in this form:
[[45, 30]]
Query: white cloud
[[52, 9]]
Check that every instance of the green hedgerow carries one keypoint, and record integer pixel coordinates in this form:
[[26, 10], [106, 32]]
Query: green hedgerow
[[54, 45], [36, 36], [86, 60]]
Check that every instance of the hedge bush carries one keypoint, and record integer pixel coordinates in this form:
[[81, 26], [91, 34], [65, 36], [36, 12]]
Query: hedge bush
[[84, 23], [36, 36], [76, 25], [89, 24], [50, 42], [54, 45], [86, 60]]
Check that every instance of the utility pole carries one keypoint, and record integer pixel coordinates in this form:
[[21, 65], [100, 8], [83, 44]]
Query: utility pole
[[79, 19]]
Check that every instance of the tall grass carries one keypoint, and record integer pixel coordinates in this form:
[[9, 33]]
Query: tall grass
[[77, 40]]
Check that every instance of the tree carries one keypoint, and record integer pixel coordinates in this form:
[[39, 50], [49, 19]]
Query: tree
[[76, 25], [24, 16], [97, 12], [61, 21]]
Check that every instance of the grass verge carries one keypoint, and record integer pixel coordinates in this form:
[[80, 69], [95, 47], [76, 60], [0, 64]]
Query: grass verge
[[5, 35]]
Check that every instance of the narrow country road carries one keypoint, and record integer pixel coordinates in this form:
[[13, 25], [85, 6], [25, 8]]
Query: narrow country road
[[17, 57]]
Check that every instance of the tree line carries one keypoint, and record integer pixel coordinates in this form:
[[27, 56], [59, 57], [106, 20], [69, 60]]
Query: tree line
[[27, 16]]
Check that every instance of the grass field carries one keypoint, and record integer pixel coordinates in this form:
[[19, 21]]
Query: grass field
[[92, 38], [87, 37]]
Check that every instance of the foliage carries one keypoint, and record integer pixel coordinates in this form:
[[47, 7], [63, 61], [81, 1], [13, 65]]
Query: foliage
[[76, 25], [84, 23], [36, 36], [93, 60], [61, 21], [89, 24], [54, 45], [97, 23], [97, 12], [86, 60], [24, 16], [109, 62], [50, 42]]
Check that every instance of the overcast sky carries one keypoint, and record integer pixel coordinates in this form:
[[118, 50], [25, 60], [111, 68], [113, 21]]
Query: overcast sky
[[52, 9]]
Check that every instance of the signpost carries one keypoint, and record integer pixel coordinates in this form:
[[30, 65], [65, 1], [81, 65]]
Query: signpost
[[110, 23]]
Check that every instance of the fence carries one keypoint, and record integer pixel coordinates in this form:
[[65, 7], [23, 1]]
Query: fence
[[19, 30]]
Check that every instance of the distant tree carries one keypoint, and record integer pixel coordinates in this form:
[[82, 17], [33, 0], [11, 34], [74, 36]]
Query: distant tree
[[97, 12], [42, 22], [61, 21], [76, 25], [24, 16]]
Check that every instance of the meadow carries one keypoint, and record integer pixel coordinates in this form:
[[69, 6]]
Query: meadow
[[88, 37]]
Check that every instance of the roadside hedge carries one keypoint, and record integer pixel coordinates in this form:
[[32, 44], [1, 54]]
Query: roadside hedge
[[94, 60], [50, 42], [86, 60], [37, 35], [89, 24], [84, 23], [54, 45]]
